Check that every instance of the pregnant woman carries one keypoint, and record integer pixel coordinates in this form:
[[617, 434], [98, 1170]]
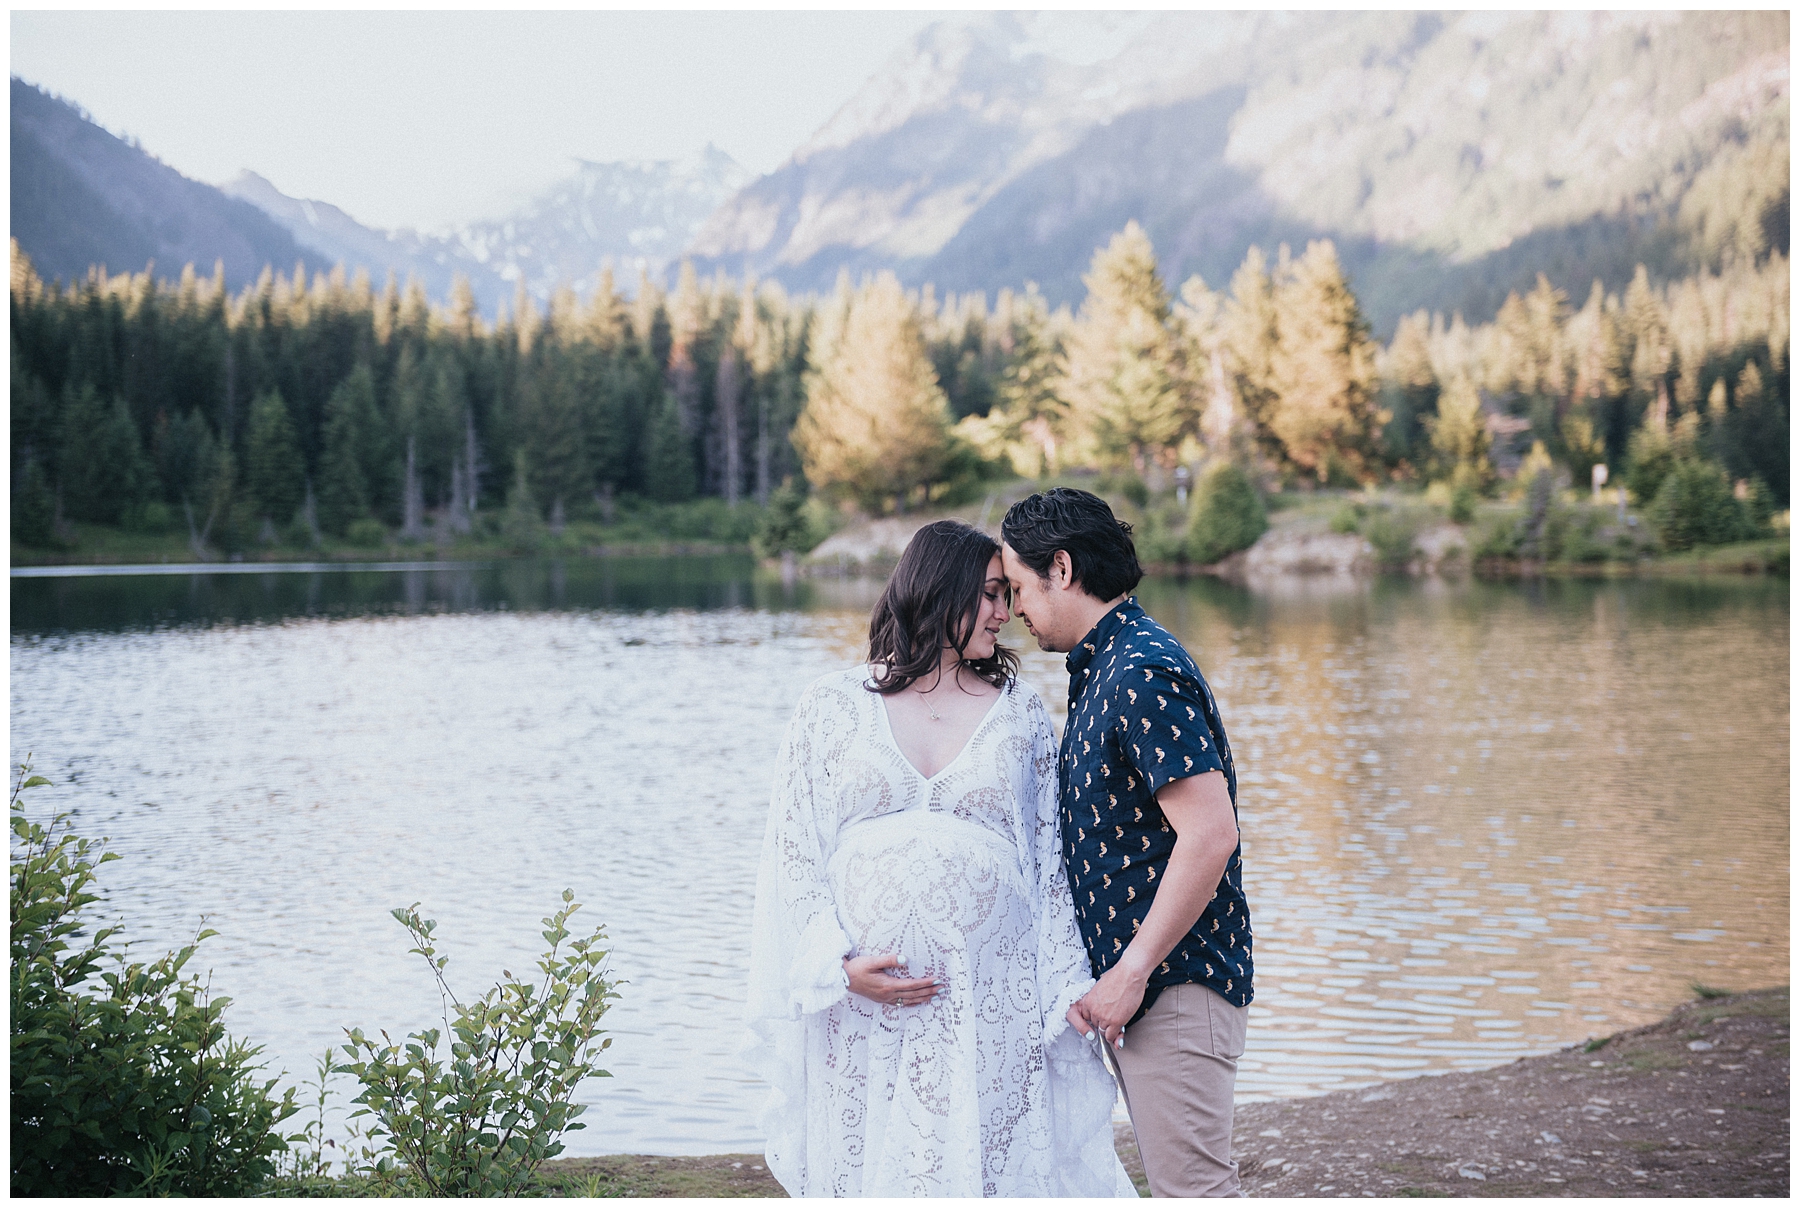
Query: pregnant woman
[[914, 951]]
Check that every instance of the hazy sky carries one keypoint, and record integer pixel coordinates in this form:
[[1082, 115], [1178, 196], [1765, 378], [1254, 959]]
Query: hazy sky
[[427, 119]]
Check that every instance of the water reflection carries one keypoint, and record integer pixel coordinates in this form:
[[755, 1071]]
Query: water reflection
[[242, 594], [1479, 820], [1485, 820]]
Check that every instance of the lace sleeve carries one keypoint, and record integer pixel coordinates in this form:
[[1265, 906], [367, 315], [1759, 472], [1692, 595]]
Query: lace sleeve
[[797, 944], [1064, 974]]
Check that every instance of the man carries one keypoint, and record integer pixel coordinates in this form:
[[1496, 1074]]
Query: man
[[1149, 822]]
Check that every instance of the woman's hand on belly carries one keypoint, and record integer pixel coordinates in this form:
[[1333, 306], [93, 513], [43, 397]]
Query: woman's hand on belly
[[869, 977]]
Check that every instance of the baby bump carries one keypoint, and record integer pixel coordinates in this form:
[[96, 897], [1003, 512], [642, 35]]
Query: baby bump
[[920, 887]]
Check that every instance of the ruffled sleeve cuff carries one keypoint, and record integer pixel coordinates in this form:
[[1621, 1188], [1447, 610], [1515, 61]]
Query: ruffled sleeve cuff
[[816, 978]]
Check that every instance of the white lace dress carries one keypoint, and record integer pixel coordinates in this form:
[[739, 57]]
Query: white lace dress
[[986, 1090]]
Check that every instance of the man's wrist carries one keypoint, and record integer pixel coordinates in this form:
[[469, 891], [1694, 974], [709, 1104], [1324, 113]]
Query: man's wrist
[[1134, 966]]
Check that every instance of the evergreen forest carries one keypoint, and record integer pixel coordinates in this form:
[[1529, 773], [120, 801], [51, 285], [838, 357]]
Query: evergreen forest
[[308, 409]]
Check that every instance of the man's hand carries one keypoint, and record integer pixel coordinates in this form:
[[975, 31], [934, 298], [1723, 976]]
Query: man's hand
[[1113, 1000], [1199, 810]]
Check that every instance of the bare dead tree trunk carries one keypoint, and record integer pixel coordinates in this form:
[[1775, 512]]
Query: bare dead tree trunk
[[309, 514], [726, 389], [762, 447], [471, 470], [412, 506]]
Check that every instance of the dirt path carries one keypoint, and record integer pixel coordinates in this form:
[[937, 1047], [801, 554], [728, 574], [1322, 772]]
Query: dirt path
[[1694, 1105]]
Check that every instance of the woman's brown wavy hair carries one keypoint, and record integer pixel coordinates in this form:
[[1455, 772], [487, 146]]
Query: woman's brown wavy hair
[[929, 603]]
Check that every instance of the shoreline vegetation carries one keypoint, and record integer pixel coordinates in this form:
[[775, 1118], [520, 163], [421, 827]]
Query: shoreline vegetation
[[1311, 533]]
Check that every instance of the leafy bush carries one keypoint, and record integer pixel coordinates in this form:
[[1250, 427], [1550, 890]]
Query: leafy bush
[[366, 533], [1159, 532], [33, 507], [1462, 503], [1391, 531], [784, 528], [483, 1122], [1695, 506], [133, 1090], [1648, 459], [1227, 515]]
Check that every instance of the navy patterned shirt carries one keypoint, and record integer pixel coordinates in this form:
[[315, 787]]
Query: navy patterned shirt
[[1140, 716]]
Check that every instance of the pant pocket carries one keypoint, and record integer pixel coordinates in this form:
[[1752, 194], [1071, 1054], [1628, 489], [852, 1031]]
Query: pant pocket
[[1226, 1023]]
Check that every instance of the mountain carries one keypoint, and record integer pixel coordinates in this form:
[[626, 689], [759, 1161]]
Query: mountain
[[337, 238], [1451, 157], [637, 214], [82, 196]]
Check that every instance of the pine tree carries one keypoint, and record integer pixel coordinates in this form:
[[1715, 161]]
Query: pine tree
[[1410, 386], [1124, 380], [1030, 403], [550, 426], [1459, 437], [103, 471], [1322, 372], [33, 506], [522, 525], [668, 455], [876, 423], [274, 474], [343, 476], [1250, 337]]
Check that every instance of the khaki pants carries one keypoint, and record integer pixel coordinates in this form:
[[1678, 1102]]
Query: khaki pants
[[1177, 1070]]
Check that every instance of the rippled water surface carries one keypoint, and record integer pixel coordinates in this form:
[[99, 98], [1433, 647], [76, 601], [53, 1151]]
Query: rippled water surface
[[1479, 820]]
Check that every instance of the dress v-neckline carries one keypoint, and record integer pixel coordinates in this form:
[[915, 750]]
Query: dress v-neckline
[[887, 723]]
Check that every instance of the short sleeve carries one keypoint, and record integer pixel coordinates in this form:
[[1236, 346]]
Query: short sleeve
[[1162, 725]]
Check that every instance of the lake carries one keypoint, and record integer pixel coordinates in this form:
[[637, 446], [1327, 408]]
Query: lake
[[1480, 820]]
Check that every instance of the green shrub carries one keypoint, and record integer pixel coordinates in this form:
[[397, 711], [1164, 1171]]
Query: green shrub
[[1462, 503], [1129, 485], [481, 1123], [1498, 537], [1227, 514], [366, 533], [1695, 506], [1391, 530], [784, 528], [1159, 536], [130, 1089], [1540, 528], [153, 517], [33, 507], [1348, 519], [1648, 459]]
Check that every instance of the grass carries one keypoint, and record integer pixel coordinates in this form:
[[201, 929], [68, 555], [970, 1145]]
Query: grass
[[620, 1176], [700, 526], [1643, 1062], [1772, 1007]]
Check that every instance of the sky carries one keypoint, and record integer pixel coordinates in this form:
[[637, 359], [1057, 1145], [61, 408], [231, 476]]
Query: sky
[[430, 119]]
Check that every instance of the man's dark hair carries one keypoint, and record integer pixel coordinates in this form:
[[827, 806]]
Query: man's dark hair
[[1098, 543]]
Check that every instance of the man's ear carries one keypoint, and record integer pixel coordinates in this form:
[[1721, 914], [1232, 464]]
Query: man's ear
[[1062, 569]]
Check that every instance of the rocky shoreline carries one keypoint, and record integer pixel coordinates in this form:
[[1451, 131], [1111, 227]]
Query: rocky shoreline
[[1696, 1104]]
